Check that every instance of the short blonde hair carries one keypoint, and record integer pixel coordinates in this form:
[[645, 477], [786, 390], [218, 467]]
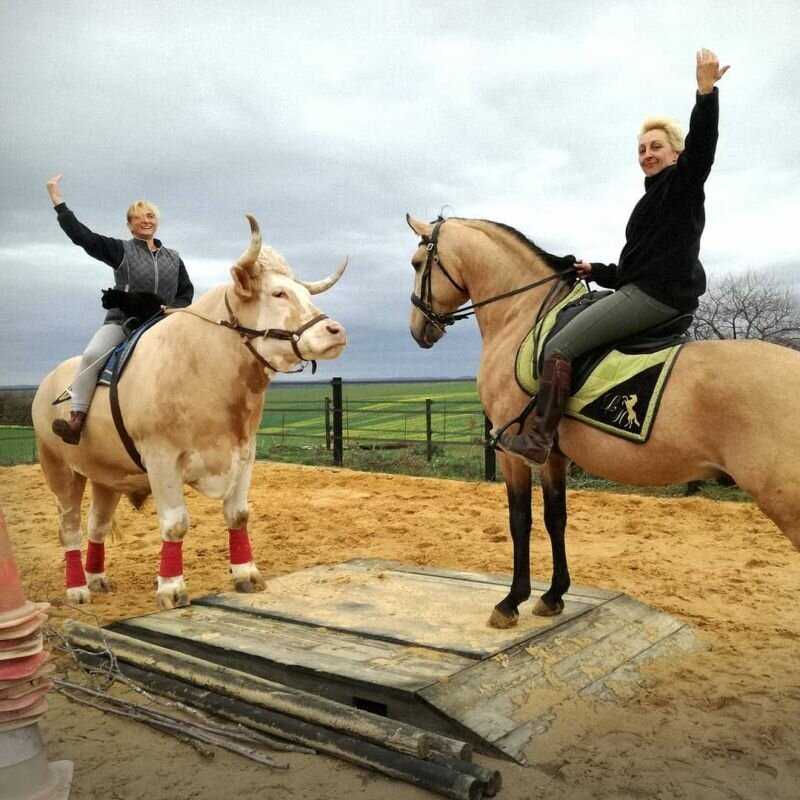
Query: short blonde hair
[[142, 205], [671, 128]]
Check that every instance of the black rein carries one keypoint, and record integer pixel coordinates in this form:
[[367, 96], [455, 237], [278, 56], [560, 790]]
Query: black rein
[[425, 304]]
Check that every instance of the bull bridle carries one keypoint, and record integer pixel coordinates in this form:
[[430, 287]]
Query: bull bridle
[[293, 337], [248, 334], [424, 300]]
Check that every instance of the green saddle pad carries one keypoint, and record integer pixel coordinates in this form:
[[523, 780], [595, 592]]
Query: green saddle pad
[[622, 393]]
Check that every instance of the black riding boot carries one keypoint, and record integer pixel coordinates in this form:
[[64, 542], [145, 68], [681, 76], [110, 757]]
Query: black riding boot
[[554, 389], [70, 431]]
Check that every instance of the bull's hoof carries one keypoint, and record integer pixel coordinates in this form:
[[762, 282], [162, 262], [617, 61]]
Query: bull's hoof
[[98, 582], [501, 620], [172, 600], [541, 609], [247, 579], [172, 592], [78, 595]]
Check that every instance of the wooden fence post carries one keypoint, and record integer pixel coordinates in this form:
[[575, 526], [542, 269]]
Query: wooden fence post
[[327, 423], [489, 461], [428, 428], [337, 421]]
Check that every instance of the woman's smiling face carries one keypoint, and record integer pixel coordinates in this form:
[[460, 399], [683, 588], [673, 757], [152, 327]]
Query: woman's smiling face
[[655, 152]]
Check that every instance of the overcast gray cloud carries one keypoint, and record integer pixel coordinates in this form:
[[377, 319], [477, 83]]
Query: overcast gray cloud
[[329, 121]]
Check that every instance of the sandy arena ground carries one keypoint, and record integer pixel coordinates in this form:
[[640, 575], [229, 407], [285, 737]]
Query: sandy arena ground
[[724, 723]]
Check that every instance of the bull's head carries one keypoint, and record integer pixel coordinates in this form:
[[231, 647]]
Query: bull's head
[[270, 297]]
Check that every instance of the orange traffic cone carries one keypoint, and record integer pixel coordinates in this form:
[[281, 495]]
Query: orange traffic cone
[[15, 608]]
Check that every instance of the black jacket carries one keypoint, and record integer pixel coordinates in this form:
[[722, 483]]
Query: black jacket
[[662, 238]]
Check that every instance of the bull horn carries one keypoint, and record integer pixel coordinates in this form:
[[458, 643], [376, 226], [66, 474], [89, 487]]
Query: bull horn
[[315, 287], [249, 257]]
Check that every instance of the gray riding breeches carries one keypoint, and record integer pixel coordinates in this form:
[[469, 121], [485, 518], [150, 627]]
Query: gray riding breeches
[[620, 315], [94, 356]]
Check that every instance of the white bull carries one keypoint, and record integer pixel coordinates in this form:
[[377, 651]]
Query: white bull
[[191, 400]]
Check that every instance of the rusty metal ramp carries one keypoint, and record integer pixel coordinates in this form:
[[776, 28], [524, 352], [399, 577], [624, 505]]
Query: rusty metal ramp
[[412, 643]]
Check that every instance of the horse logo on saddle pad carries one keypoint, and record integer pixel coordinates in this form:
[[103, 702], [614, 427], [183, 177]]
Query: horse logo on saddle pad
[[616, 388]]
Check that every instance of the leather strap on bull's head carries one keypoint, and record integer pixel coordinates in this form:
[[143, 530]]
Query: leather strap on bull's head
[[293, 337]]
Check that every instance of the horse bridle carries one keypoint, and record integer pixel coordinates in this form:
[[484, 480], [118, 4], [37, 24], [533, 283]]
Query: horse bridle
[[424, 300]]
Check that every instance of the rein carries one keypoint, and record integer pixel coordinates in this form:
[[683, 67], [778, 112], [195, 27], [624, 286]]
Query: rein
[[425, 302], [248, 334]]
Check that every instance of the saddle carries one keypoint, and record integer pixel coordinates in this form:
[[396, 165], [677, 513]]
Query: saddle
[[120, 355], [616, 387], [667, 334]]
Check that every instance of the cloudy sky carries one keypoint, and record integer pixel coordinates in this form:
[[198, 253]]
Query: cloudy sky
[[329, 121]]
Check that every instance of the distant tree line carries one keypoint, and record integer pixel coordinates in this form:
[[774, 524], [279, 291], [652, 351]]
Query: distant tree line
[[15, 406]]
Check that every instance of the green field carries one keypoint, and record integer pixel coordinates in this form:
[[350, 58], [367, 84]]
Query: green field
[[382, 412], [17, 445], [384, 427]]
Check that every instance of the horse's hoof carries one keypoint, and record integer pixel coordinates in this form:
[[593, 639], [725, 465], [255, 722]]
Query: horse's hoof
[[98, 582], [500, 620], [541, 609], [78, 595], [245, 586]]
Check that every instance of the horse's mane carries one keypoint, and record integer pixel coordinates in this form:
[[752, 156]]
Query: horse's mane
[[554, 262]]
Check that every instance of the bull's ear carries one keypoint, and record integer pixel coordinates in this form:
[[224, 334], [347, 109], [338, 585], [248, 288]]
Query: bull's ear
[[243, 282], [422, 229]]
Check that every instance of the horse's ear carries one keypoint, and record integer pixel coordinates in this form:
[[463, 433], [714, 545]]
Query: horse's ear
[[422, 229], [243, 282]]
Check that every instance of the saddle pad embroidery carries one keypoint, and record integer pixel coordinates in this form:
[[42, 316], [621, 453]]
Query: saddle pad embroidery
[[622, 394]]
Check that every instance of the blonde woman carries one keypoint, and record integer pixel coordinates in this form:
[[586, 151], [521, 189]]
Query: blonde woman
[[140, 264], [659, 275]]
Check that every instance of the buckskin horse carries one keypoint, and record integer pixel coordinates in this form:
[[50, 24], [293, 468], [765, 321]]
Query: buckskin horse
[[714, 419], [191, 400]]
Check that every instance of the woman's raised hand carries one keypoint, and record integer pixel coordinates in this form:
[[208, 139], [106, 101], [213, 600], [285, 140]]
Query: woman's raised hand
[[54, 190], [708, 71]]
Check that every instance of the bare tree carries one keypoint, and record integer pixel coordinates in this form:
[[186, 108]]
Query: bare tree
[[751, 305]]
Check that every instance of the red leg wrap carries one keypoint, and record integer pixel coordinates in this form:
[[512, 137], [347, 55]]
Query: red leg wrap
[[75, 574], [239, 545], [95, 557], [171, 559]]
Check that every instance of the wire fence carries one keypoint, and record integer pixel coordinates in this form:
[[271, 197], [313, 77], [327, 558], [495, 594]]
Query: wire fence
[[434, 436]]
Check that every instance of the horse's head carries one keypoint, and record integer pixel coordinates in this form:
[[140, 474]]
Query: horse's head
[[275, 306], [438, 286]]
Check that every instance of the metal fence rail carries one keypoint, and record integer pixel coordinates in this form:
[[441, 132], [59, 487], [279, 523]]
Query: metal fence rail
[[335, 425]]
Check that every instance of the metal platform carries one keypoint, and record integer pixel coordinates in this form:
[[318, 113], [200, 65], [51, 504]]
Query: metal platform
[[412, 643]]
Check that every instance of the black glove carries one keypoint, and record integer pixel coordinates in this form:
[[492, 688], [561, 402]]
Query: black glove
[[141, 305]]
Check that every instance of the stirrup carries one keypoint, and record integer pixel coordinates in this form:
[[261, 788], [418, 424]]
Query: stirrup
[[494, 436]]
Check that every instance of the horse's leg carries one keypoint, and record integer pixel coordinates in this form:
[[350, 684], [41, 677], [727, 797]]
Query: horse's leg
[[518, 488], [776, 494], [246, 577], [166, 482], [67, 486], [101, 514], [554, 492]]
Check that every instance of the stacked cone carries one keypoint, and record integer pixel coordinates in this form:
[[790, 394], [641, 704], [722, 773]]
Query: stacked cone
[[25, 671]]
